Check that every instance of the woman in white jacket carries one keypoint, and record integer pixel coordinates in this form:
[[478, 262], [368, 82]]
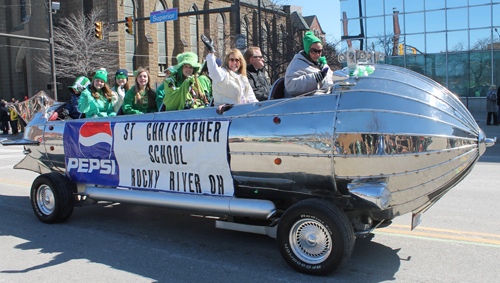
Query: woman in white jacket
[[230, 84]]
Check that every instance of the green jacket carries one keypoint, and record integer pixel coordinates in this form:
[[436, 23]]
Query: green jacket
[[177, 95], [206, 84], [95, 107], [130, 107]]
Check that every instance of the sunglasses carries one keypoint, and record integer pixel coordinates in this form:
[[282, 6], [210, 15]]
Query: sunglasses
[[315, 51], [234, 60], [258, 57]]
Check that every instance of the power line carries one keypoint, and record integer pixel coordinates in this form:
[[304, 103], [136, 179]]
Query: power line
[[13, 5], [25, 47]]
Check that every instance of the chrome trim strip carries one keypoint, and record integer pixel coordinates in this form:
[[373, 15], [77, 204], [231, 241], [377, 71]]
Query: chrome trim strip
[[279, 154], [404, 154], [408, 114], [410, 134], [408, 172]]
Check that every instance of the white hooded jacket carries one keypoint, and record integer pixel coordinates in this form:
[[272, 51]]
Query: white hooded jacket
[[304, 76]]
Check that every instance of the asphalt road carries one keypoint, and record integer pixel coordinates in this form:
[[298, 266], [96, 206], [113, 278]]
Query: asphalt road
[[457, 241]]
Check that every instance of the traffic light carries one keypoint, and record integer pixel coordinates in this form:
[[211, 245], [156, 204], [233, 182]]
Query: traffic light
[[413, 50], [98, 30], [130, 25], [400, 49]]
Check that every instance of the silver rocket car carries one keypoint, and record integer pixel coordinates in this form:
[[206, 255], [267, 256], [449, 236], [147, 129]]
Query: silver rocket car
[[312, 171]]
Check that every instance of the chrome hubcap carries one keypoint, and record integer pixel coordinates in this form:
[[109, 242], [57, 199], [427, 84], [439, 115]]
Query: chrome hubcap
[[310, 241], [45, 199]]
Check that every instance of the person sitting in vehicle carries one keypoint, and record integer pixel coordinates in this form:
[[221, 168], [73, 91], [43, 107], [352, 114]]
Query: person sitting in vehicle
[[160, 91], [120, 88], [230, 84], [205, 81], [71, 108], [308, 72], [140, 98], [256, 73], [185, 92], [96, 100]]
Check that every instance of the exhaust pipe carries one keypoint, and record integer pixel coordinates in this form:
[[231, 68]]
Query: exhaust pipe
[[204, 204]]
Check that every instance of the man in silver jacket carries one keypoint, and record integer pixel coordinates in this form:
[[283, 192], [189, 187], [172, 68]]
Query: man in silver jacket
[[308, 73]]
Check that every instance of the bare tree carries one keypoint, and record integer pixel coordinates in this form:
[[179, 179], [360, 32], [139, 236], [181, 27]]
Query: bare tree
[[331, 54], [77, 50]]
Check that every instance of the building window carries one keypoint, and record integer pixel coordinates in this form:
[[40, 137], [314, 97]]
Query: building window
[[220, 35], [128, 11], [162, 40], [193, 30]]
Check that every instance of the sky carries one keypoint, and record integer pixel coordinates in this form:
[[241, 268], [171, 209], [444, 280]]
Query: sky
[[327, 12]]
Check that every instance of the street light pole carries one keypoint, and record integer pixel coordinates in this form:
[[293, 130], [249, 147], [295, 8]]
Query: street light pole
[[52, 53]]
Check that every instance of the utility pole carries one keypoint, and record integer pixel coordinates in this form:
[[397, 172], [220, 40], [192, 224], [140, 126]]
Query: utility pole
[[260, 28], [52, 54], [237, 17]]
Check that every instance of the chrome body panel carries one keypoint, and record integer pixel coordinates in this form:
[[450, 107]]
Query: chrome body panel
[[406, 131], [396, 129]]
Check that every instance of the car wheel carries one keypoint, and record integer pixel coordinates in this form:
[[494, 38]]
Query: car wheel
[[315, 237], [52, 198]]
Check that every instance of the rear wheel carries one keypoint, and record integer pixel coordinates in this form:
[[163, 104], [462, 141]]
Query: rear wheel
[[315, 237], [52, 198]]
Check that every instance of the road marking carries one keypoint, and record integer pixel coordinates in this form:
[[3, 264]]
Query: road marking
[[438, 239], [448, 231], [442, 237], [14, 182]]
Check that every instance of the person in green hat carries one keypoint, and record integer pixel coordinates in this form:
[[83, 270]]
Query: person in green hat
[[160, 91], [119, 88], [308, 72], [96, 101], [185, 90], [80, 84], [140, 98]]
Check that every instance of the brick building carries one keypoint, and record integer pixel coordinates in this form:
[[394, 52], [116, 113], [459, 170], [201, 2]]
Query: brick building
[[152, 45]]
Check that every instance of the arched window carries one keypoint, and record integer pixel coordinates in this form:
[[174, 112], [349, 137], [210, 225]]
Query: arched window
[[128, 11], [193, 30], [220, 35], [162, 39]]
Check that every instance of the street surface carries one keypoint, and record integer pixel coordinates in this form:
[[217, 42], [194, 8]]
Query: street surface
[[457, 241]]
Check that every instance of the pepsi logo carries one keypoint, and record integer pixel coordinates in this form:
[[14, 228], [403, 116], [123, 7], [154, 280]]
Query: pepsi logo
[[96, 140], [92, 133]]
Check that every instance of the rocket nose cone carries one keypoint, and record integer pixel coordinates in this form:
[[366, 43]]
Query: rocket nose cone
[[485, 142]]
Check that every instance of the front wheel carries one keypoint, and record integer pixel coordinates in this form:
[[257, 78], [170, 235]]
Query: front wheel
[[315, 237], [52, 198]]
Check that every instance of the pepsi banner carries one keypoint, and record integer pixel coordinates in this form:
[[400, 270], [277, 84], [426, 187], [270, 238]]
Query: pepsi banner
[[175, 156]]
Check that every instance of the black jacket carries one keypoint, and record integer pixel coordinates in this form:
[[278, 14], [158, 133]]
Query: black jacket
[[4, 113], [498, 96], [259, 82]]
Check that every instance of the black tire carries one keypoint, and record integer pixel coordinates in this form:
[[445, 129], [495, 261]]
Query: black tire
[[52, 198], [315, 237]]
